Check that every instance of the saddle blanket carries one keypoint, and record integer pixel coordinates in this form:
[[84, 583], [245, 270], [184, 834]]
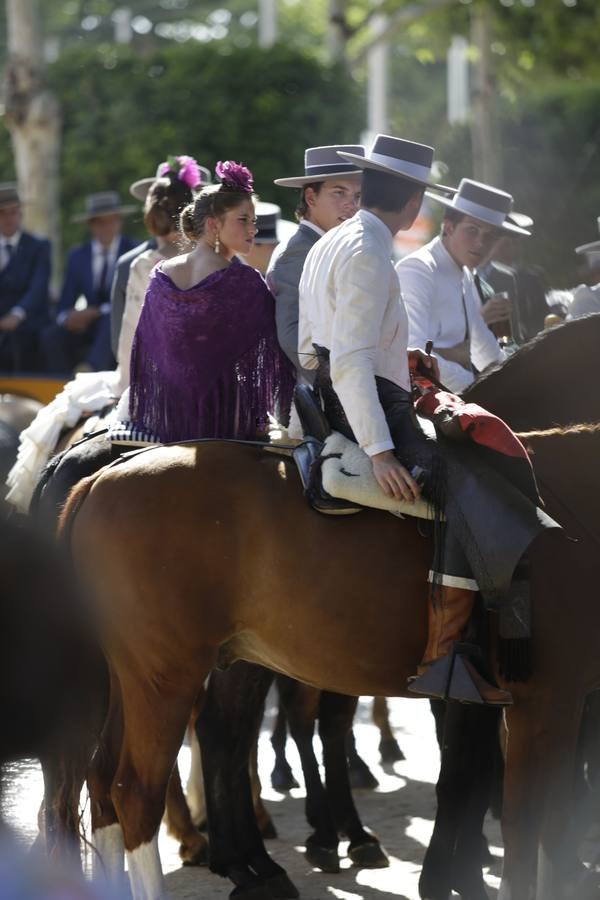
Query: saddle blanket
[[348, 475]]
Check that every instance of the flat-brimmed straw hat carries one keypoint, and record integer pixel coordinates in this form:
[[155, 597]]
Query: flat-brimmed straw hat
[[589, 248], [140, 188], [323, 164], [106, 203], [395, 156], [484, 203]]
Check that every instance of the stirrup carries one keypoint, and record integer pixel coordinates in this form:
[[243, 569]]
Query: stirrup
[[449, 679]]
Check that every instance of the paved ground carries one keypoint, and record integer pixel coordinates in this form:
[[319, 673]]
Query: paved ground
[[401, 812]]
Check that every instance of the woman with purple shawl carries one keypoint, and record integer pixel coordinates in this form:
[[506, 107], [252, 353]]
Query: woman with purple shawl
[[205, 360]]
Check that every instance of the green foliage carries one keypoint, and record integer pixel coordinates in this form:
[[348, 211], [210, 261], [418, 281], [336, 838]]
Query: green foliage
[[124, 113]]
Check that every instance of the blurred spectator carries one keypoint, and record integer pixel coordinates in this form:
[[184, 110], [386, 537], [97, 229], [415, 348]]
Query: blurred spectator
[[80, 337], [586, 296], [272, 230], [24, 277]]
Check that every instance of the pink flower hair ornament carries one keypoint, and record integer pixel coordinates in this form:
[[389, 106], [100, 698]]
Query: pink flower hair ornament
[[235, 176], [185, 168]]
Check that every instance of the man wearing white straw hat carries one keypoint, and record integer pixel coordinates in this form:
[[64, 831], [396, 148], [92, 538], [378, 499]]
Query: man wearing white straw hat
[[329, 194], [437, 283], [354, 330], [586, 297]]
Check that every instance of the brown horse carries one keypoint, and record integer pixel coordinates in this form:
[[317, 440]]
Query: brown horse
[[207, 553]]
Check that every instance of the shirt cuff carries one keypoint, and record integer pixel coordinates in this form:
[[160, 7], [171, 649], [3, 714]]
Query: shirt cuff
[[104, 308], [60, 319], [19, 312], [380, 447]]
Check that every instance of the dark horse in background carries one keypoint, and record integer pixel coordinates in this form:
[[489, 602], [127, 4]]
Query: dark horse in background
[[232, 584]]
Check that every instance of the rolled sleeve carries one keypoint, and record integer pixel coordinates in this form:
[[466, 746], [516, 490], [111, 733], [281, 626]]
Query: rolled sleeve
[[362, 291]]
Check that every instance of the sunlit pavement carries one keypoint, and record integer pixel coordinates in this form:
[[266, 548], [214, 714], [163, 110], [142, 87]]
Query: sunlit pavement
[[401, 811]]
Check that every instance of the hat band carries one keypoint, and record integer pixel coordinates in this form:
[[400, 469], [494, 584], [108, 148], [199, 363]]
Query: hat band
[[493, 216], [327, 168], [402, 166]]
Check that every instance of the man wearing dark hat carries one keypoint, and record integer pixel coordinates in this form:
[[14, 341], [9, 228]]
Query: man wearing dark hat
[[271, 230], [354, 329], [437, 282], [139, 189], [24, 277], [586, 296], [329, 194], [80, 337]]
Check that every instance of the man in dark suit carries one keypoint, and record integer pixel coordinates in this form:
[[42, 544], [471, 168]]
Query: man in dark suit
[[329, 194], [80, 337], [24, 277]]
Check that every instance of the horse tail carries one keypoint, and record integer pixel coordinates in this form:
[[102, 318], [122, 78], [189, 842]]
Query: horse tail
[[73, 504]]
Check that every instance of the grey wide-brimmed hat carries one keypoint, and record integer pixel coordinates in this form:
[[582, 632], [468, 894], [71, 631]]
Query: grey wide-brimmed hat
[[105, 203], [395, 156], [9, 194], [589, 248], [140, 188], [323, 164], [484, 203]]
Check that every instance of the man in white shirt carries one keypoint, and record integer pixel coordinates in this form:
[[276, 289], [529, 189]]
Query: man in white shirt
[[437, 283], [354, 329]]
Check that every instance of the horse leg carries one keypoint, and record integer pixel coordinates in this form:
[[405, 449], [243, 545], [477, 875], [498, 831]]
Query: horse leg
[[282, 777], [193, 846], [263, 819], [389, 748], [538, 793], [301, 704], [108, 861], [360, 774], [227, 727], [154, 725], [194, 789], [336, 712]]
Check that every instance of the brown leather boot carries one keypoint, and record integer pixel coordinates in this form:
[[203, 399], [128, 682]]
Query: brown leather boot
[[449, 611]]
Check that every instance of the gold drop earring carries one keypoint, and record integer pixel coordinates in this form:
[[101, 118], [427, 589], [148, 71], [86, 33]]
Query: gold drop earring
[[217, 244]]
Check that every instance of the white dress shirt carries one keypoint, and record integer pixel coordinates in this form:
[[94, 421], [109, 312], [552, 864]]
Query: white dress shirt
[[350, 303], [443, 306], [5, 257], [98, 252]]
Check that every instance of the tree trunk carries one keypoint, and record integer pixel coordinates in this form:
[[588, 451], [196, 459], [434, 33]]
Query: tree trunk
[[337, 31], [32, 115], [487, 163]]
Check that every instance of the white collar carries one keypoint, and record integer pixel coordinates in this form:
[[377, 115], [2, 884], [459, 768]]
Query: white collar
[[99, 250], [372, 221], [443, 257], [312, 225], [13, 240]]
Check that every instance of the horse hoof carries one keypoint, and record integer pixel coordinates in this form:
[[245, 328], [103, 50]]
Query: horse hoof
[[282, 888], [268, 831], [361, 777], [368, 856], [390, 751], [324, 858], [191, 857], [282, 780]]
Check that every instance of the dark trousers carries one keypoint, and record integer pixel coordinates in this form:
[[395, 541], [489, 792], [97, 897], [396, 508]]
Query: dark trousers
[[63, 349], [20, 351]]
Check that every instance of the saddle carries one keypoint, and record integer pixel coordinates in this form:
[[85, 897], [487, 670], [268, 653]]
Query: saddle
[[337, 476]]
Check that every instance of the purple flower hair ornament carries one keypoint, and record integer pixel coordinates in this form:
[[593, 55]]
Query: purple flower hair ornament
[[235, 175], [185, 168]]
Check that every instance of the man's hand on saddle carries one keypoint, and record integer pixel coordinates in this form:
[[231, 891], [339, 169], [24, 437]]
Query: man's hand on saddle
[[79, 320], [422, 363], [393, 478]]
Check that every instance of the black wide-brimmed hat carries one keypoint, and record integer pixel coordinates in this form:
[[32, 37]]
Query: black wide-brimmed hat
[[9, 194], [484, 203], [323, 164], [105, 203], [139, 189], [589, 248], [395, 156], [272, 229]]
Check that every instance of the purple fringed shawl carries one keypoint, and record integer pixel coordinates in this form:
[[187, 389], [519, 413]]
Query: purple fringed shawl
[[205, 361]]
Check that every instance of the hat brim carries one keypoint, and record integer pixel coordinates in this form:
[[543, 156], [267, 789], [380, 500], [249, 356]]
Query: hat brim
[[140, 188], [303, 180], [588, 248], [115, 211], [364, 162], [504, 226]]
